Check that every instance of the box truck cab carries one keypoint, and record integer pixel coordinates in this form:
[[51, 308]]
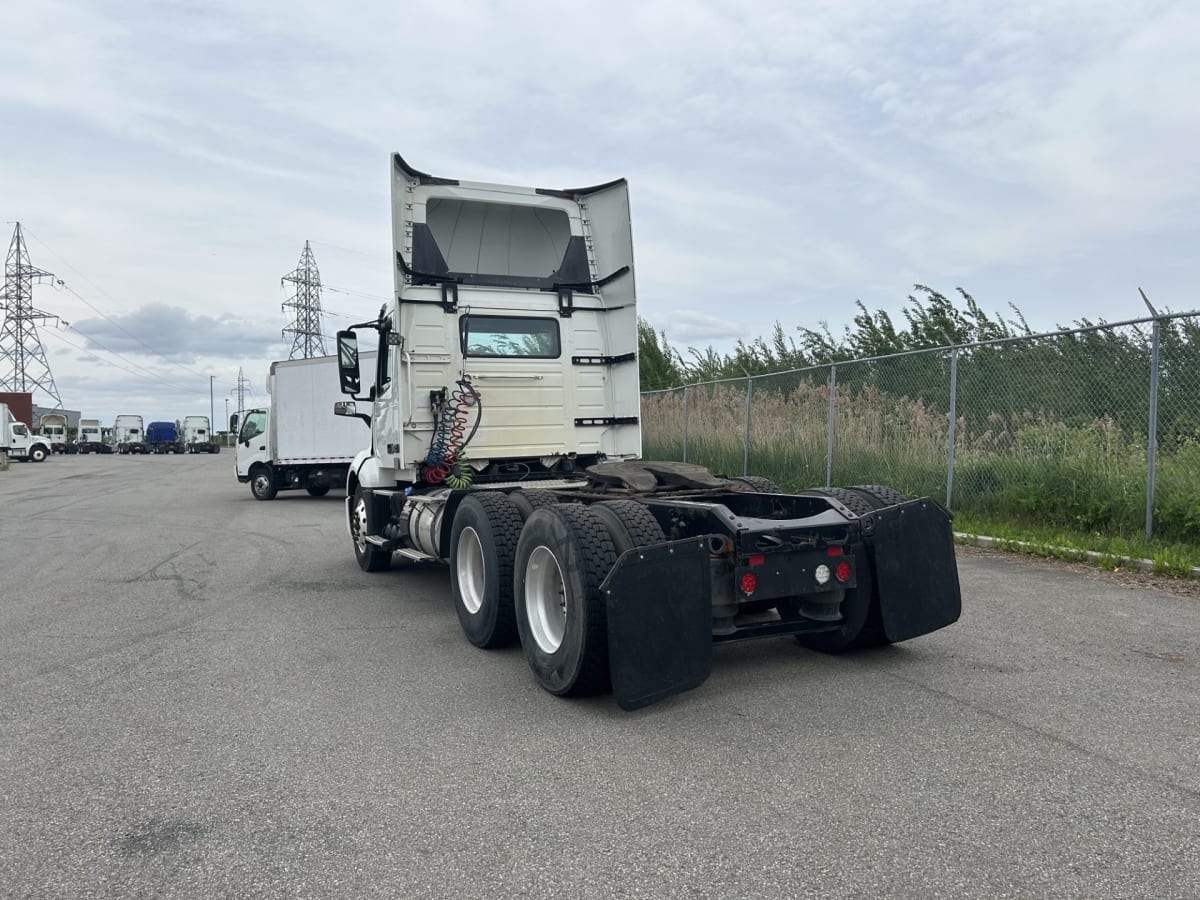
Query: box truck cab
[[297, 442], [19, 443]]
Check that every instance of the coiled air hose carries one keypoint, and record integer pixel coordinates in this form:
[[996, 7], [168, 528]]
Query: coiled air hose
[[445, 462]]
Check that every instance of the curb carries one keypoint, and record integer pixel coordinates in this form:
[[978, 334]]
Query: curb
[[1071, 553]]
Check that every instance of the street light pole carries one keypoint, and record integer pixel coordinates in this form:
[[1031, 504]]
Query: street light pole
[[228, 443], [212, 415]]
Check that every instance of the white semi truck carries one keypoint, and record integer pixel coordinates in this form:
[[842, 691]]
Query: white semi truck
[[91, 437], [53, 428], [128, 435], [504, 441], [17, 440], [197, 436], [297, 442]]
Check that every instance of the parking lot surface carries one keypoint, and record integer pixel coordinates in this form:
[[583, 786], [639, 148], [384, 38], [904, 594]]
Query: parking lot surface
[[201, 695]]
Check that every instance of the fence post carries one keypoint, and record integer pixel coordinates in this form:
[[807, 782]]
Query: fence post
[[746, 443], [950, 434], [685, 423], [829, 427], [1152, 435]]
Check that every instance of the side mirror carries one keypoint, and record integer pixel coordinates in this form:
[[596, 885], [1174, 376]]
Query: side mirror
[[345, 408], [233, 424], [347, 351]]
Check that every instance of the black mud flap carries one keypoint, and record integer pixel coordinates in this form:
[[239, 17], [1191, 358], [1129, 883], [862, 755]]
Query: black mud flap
[[659, 622], [916, 578]]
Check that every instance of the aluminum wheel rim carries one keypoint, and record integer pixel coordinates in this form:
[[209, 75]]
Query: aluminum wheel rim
[[261, 484], [545, 600], [471, 569], [358, 525]]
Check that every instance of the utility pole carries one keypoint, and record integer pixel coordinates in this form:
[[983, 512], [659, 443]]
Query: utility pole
[[23, 365], [212, 414], [306, 301]]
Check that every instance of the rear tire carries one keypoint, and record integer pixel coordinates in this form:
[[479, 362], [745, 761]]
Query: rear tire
[[863, 624], [483, 543], [262, 483], [563, 556], [317, 490], [370, 558], [527, 501], [630, 524], [884, 494]]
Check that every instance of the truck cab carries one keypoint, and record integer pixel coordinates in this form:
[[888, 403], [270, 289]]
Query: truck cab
[[18, 442]]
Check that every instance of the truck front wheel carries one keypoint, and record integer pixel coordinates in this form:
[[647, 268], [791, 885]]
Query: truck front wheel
[[563, 556], [483, 542], [37, 453], [370, 558], [262, 484]]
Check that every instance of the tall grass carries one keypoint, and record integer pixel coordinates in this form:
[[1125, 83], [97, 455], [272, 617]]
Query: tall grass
[[1026, 466]]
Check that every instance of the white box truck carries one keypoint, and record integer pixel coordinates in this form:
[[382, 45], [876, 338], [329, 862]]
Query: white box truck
[[17, 441], [128, 435], [197, 437], [297, 442]]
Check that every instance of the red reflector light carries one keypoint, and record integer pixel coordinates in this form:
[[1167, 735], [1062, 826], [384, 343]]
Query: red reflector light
[[835, 550], [748, 583], [842, 571], [756, 559]]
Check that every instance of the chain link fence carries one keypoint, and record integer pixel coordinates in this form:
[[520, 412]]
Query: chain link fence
[[1092, 428]]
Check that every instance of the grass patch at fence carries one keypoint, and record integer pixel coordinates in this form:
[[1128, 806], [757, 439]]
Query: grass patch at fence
[[1065, 543]]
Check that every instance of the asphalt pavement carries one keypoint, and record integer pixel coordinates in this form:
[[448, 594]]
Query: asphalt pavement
[[201, 695]]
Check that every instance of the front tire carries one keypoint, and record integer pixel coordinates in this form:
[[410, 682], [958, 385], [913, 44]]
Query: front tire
[[563, 556], [37, 453], [370, 558], [262, 484], [483, 543]]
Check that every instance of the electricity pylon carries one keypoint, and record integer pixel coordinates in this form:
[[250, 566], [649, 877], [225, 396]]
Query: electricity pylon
[[23, 365], [306, 301]]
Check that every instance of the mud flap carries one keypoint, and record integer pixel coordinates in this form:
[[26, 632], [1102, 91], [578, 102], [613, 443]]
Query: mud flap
[[659, 622], [916, 577]]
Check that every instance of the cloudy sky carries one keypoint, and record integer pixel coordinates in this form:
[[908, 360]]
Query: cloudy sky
[[169, 159]]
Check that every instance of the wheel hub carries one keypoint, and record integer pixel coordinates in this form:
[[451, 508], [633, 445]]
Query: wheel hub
[[545, 600], [470, 569]]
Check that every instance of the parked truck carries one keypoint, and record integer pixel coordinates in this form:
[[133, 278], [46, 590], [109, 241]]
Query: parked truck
[[163, 437], [53, 428], [505, 441], [197, 436], [127, 434], [297, 442], [91, 437], [18, 440]]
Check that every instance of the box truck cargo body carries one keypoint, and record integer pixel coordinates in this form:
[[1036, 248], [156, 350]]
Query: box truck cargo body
[[298, 442]]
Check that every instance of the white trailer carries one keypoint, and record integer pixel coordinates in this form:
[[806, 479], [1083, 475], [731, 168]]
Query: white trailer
[[90, 439], [128, 435], [197, 437], [17, 441], [298, 442]]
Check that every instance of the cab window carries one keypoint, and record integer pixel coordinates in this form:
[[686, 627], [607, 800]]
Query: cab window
[[255, 424], [517, 336]]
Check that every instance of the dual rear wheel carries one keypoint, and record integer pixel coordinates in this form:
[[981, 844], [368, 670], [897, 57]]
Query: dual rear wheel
[[525, 567]]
